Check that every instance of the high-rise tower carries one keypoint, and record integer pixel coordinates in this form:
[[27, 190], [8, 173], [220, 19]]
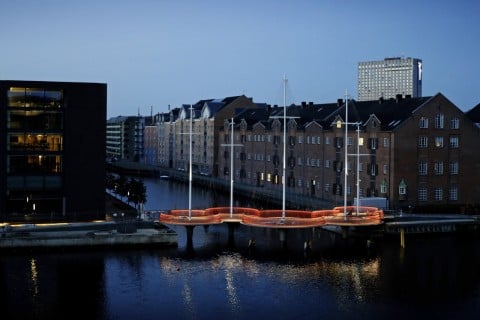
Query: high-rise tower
[[389, 77]]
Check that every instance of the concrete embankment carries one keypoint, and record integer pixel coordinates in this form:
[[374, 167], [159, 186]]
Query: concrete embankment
[[86, 235]]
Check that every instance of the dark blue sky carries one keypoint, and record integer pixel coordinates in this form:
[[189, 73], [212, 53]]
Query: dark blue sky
[[160, 53]]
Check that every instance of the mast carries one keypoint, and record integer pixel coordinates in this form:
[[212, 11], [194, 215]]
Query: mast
[[231, 173], [358, 164], [284, 142], [345, 169], [190, 168]]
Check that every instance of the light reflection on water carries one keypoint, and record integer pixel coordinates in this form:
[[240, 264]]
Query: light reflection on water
[[218, 279], [343, 280]]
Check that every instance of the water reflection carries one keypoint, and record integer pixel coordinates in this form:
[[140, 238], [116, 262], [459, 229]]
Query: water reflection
[[434, 278], [224, 279]]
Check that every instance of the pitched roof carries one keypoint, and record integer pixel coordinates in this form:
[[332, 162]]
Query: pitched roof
[[474, 114], [390, 112]]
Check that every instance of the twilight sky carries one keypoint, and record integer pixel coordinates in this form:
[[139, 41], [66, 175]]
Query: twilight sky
[[169, 52]]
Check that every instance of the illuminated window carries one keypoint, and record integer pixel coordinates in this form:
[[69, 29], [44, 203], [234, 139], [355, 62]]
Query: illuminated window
[[439, 142]]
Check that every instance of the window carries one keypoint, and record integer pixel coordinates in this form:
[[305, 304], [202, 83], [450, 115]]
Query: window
[[349, 141], [276, 140], [300, 139], [386, 142], [455, 123], [327, 163], [384, 186], [453, 193], [439, 119], [454, 168], [439, 142], [438, 194], [402, 188], [373, 143], [422, 142], [422, 168], [327, 187], [439, 168], [338, 142], [422, 194], [454, 142], [291, 140], [423, 123], [385, 169], [327, 140]]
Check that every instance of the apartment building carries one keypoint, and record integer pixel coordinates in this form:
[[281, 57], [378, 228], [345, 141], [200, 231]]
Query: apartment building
[[412, 151], [201, 123], [125, 138], [51, 164]]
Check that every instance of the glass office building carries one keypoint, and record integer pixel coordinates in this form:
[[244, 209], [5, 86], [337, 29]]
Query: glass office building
[[52, 163]]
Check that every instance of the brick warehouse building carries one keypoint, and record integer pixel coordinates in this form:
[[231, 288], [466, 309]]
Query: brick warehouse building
[[51, 157], [418, 152]]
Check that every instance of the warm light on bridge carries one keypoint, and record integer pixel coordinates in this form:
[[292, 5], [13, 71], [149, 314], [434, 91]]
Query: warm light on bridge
[[357, 216]]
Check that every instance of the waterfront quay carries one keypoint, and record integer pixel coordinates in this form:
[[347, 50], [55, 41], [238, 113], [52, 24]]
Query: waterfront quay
[[118, 230]]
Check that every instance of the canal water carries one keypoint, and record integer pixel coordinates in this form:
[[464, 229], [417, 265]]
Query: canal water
[[222, 277]]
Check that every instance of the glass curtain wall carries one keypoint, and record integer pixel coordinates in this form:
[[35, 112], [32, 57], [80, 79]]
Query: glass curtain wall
[[35, 119]]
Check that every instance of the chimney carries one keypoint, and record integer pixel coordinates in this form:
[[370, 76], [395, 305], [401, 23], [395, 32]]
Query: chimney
[[339, 102], [304, 104], [380, 100], [310, 104], [398, 98]]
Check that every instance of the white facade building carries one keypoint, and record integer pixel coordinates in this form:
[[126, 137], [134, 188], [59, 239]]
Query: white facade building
[[388, 78]]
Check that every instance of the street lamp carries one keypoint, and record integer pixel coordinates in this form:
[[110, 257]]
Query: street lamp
[[123, 221]]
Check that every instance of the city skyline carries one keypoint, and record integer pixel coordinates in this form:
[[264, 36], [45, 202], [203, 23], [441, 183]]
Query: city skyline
[[153, 54]]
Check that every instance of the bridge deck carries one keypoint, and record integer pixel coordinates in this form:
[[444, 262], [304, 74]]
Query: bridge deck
[[341, 216]]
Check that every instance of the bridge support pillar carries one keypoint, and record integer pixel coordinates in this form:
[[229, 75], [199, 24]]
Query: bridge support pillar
[[189, 230], [344, 232], [231, 234], [283, 237]]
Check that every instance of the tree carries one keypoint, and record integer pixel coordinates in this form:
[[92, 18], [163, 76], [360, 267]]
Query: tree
[[137, 192]]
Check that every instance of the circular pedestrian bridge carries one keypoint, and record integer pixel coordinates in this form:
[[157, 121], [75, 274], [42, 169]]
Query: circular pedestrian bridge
[[338, 216]]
